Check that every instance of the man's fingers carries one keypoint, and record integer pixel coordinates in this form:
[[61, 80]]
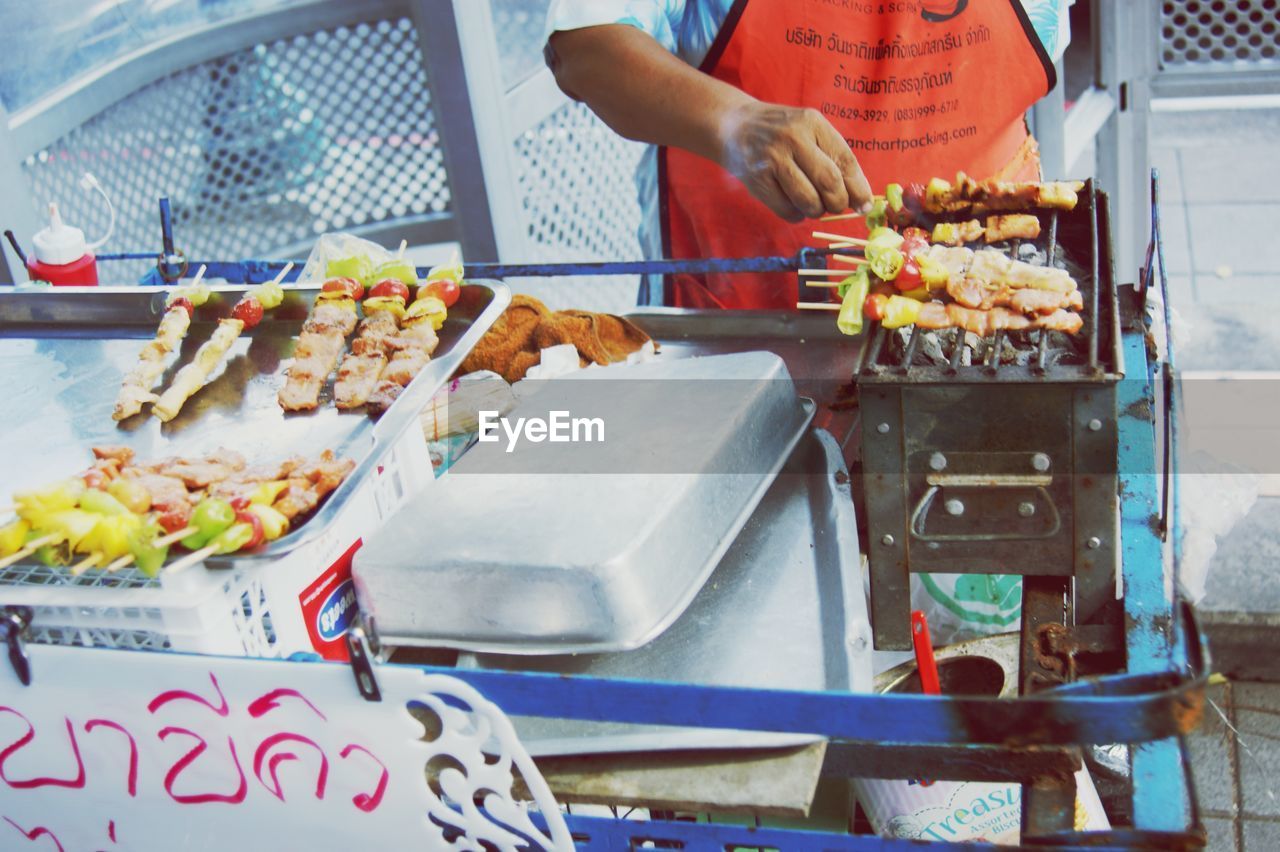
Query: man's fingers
[[856, 184], [826, 178], [769, 191], [798, 188]]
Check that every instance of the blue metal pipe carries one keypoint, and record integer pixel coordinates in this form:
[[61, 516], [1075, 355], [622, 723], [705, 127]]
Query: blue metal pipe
[[253, 271]]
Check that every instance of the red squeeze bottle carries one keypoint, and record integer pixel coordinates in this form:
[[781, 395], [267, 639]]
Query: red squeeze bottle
[[62, 256]]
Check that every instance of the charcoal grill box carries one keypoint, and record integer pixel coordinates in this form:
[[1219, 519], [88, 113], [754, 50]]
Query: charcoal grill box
[[971, 465]]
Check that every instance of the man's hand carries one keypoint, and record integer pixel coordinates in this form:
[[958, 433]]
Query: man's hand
[[793, 161]]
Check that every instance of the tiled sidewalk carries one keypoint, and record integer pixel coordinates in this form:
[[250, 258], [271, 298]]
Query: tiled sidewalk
[[1220, 211], [1238, 779]]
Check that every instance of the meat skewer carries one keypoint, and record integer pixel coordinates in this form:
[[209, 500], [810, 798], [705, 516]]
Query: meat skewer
[[371, 349], [111, 528], [969, 196], [320, 344], [135, 390], [412, 347], [998, 228], [246, 314]]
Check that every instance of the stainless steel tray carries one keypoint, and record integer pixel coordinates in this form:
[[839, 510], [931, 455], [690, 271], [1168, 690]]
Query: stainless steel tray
[[64, 352], [586, 547], [785, 609]]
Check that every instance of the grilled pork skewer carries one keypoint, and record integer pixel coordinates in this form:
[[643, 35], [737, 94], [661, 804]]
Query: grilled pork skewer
[[412, 349], [935, 315], [976, 278], [316, 354], [970, 196], [370, 351], [135, 390], [1012, 226]]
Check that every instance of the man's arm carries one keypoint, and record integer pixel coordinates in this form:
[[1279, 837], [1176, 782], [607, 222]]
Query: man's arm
[[791, 159]]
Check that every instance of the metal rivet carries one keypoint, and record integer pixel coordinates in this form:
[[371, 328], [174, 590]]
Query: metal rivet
[[1094, 543], [1040, 462], [1026, 510], [937, 461], [883, 428], [887, 540], [1095, 425], [954, 507]]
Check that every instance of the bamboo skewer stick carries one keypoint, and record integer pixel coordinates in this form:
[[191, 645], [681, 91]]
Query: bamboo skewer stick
[[122, 562], [194, 558], [817, 306], [90, 561], [843, 273], [828, 284], [839, 217], [839, 238], [172, 538], [31, 547], [850, 259]]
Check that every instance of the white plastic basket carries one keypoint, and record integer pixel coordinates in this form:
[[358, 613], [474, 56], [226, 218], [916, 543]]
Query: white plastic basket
[[266, 610]]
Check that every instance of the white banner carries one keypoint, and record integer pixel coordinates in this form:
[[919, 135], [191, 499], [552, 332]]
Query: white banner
[[112, 750]]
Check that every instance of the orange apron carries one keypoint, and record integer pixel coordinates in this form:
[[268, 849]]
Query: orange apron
[[919, 88]]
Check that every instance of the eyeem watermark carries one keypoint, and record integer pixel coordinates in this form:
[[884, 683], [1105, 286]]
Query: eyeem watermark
[[558, 428]]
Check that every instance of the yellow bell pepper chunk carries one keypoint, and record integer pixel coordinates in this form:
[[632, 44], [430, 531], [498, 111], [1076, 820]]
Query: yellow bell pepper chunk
[[266, 493], [12, 536], [73, 525], [55, 498], [932, 272], [900, 312], [274, 523]]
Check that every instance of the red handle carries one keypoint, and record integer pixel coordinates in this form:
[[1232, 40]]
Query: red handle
[[925, 663]]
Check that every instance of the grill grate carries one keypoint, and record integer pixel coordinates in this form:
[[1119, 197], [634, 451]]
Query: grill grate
[[261, 149], [1195, 34], [917, 354]]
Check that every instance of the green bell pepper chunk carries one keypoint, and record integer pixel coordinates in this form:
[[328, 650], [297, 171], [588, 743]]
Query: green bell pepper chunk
[[855, 287], [878, 217], [887, 264], [893, 197], [232, 538], [211, 517], [147, 557]]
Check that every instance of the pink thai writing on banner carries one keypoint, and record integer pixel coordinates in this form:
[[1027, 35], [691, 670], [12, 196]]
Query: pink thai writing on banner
[[113, 750]]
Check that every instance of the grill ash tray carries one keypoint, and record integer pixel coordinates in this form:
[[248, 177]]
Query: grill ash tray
[[573, 547]]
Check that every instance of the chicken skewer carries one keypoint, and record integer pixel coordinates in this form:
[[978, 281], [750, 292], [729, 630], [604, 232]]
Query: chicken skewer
[[246, 314], [135, 390]]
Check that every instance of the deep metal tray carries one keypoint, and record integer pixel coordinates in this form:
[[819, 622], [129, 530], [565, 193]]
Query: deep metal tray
[[587, 547], [64, 352], [784, 609]]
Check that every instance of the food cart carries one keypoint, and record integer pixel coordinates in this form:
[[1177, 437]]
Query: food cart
[[276, 716]]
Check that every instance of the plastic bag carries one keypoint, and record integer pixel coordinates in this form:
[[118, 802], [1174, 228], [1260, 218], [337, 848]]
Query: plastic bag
[[966, 606], [332, 247]]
